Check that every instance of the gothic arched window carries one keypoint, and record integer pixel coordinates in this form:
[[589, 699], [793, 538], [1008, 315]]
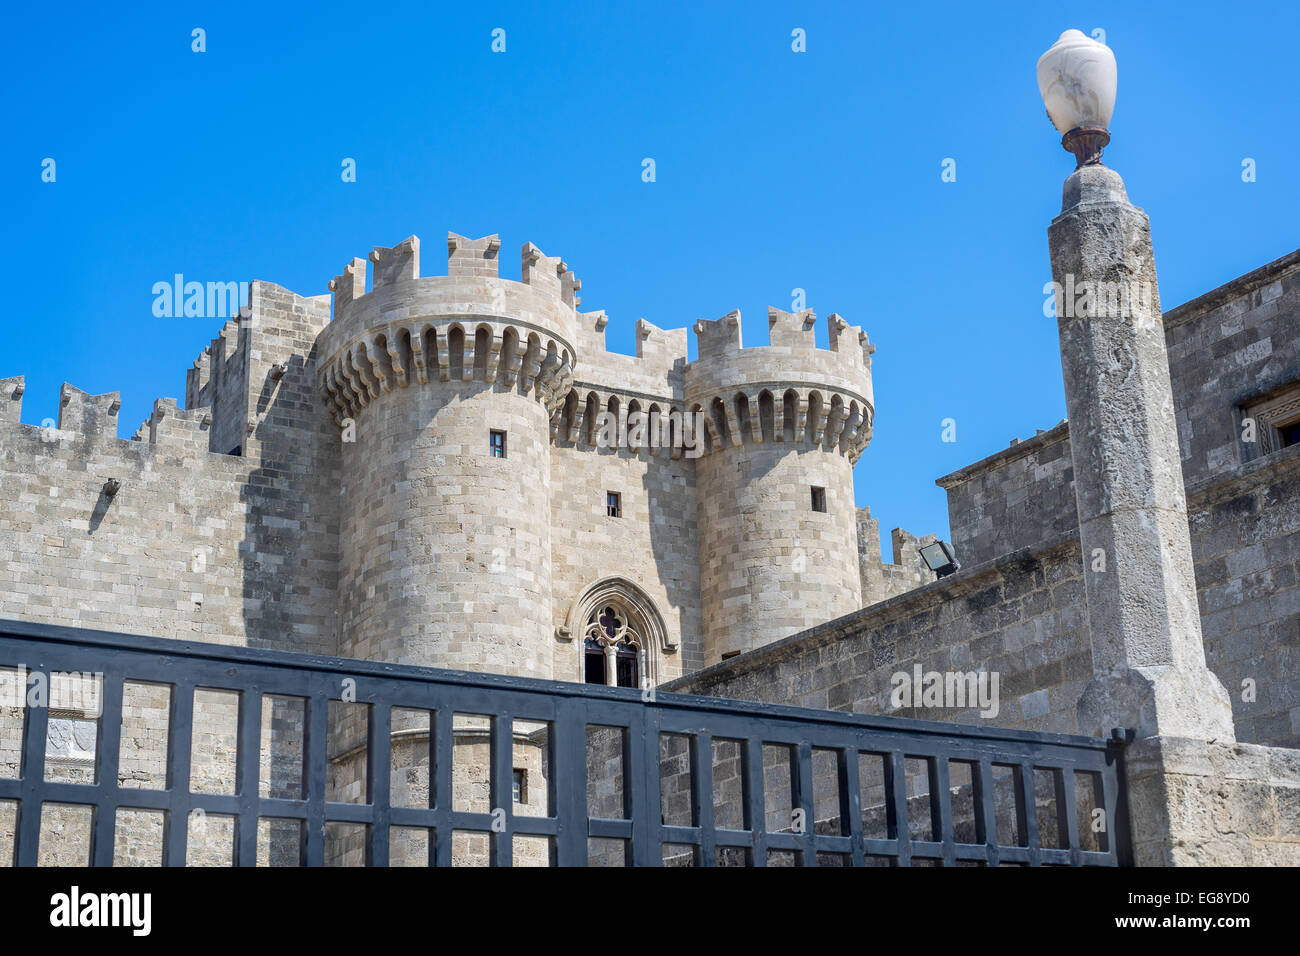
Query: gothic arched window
[[613, 650], [617, 635]]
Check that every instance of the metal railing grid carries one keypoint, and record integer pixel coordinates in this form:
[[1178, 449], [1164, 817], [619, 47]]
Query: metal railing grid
[[569, 709]]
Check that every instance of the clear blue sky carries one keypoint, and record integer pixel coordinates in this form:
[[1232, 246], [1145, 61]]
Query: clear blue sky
[[775, 170]]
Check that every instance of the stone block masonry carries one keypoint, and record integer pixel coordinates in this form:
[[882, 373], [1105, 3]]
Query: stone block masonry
[[195, 544], [329, 484], [1020, 617]]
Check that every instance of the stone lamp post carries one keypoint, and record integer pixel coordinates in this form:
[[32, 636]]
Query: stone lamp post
[[1149, 671]]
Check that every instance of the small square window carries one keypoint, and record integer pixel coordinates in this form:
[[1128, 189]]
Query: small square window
[[497, 443], [818, 499], [521, 786], [613, 504], [1271, 423]]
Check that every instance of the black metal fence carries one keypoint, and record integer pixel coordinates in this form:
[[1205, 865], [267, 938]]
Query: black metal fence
[[756, 784]]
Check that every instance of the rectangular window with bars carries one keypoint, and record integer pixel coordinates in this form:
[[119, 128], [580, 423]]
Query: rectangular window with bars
[[497, 443], [613, 504]]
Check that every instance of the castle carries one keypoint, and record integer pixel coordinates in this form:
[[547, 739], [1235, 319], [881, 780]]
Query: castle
[[453, 471], [406, 502]]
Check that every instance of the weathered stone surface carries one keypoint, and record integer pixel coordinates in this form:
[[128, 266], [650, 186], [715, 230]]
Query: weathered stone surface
[[999, 617], [1212, 804], [1148, 660]]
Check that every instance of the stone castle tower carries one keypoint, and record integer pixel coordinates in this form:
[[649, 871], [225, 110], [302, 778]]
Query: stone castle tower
[[778, 539], [445, 551]]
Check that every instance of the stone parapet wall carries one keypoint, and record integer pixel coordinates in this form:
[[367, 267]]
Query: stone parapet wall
[[1018, 498], [1214, 804], [1022, 617]]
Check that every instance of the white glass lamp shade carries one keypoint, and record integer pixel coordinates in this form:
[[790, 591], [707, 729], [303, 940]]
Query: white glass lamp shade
[[1076, 78]]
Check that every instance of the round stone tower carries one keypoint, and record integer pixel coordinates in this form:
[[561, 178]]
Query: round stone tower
[[444, 389], [785, 424]]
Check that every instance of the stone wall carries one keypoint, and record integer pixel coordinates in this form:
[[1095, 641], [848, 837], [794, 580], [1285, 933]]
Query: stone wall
[[165, 556], [1229, 349], [221, 383], [195, 544], [1021, 617], [768, 561], [291, 509], [1223, 804], [652, 544], [881, 580], [1246, 543], [1018, 498]]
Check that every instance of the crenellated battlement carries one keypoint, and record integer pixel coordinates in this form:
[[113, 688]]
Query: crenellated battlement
[[83, 416], [653, 374], [848, 355], [210, 366], [795, 330], [549, 276], [662, 347], [349, 285], [473, 326], [401, 263], [787, 391], [197, 378], [718, 338], [467, 326], [543, 272]]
